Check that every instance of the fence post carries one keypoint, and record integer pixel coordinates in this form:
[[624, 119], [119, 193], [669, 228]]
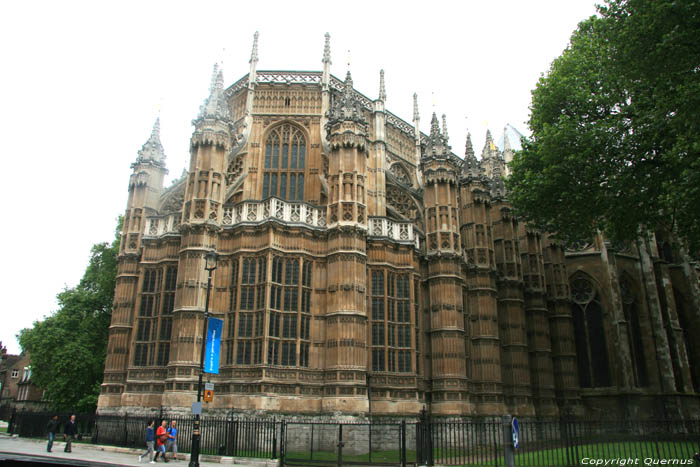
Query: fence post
[[283, 440], [424, 441], [274, 438], [340, 444], [508, 449], [126, 430], [403, 443]]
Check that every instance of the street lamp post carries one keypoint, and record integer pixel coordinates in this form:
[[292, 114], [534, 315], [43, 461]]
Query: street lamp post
[[210, 264]]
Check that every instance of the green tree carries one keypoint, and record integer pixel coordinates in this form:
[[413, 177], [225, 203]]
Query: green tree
[[68, 348], [615, 127]]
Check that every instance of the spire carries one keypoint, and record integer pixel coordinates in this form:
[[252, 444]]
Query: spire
[[471, 168], [444, 128], [382, 89], [215, 106], [489, 147], [152, 150], [468, 148], [506, 141], [435, 128], [327, 50], [254, 53], [416, 117]]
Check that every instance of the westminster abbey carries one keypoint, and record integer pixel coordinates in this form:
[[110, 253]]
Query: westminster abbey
[[364, 269]]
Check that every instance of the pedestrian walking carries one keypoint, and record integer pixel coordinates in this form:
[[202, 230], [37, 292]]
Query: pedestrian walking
[[161, 438], [171, 444], [69, 432], [52, 428], [150, 438]]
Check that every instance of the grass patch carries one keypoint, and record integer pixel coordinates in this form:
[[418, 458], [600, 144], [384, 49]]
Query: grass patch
[[680, 450]]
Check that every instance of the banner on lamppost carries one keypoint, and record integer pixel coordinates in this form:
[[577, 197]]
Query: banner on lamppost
[[213, 348]]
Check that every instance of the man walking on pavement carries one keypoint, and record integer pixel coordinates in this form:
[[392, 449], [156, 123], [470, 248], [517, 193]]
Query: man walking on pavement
[[161, 437], [69, 432], [52, 428], [171, 444]]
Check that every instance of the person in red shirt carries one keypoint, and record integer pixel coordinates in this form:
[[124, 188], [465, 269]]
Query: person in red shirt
[[161, 437]]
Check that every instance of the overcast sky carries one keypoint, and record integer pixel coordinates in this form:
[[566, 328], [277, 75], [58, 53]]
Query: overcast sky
[[83, 82]]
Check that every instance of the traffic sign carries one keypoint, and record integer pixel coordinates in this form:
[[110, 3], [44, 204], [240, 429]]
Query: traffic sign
[[515, 430]]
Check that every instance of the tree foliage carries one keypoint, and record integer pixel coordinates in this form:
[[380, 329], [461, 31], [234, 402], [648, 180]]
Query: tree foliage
[[616, 127], [68, 348]]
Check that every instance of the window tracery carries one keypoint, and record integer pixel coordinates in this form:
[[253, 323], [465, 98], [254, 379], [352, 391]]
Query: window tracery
[[284, 163]]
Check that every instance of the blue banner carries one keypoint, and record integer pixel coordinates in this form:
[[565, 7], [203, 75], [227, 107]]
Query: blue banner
[[213, 348]]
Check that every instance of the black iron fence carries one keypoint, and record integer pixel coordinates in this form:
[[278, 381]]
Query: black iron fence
[[225, 436], [482, 441]]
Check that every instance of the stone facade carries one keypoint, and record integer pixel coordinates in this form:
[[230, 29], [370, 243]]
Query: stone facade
[[365, 269]]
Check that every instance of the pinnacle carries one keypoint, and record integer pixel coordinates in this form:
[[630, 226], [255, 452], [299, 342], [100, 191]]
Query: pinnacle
[[327, 49], [254, 53], [382, 88], [416, 116]]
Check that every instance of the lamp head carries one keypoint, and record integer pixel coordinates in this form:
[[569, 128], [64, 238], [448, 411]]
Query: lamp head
[[210, 260]]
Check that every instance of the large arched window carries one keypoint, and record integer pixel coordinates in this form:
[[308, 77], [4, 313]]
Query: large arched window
[[589, 333], [284, 164], [634, 332]]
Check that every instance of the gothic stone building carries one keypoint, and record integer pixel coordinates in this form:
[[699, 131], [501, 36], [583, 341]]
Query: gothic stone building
[[366, 269]]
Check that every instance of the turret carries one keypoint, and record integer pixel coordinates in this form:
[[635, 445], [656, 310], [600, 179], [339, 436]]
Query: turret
[[346, 310], [145, 187], [209, 146]]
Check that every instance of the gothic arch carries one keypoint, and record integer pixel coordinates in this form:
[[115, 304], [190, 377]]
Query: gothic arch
[[629, 294], [589, 332]]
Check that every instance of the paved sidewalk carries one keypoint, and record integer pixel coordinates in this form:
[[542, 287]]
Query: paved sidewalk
[[111, 454]]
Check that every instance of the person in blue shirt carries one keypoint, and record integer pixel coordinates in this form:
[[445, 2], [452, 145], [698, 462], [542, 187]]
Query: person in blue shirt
[[171, 444], [150, 438]]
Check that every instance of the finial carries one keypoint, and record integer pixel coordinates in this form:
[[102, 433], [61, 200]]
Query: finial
[[433, 96], [254, 53], [382, 89], [327, 50], [444, 127], [415, 107], [348, 59]]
